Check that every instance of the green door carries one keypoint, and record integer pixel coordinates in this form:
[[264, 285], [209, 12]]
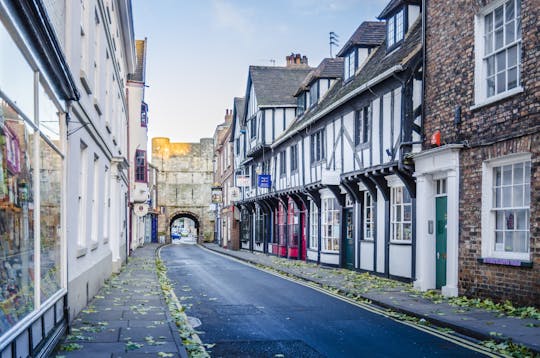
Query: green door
[[349, 239], [440, 239]]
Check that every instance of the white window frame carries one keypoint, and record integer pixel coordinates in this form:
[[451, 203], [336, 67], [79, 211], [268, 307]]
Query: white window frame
[[395, 28], [401, 222], [480, 71], [313, 226], [488, 213], [368, 220], [330, 242], [350, 65]]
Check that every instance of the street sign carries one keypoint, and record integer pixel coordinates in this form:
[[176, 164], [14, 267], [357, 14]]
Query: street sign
[[264, 181], [217, 195]]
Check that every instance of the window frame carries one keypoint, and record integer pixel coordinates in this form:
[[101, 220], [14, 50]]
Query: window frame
[[371, 221], [144, 115], [400, 222], [317, 146], [489, 210], [313, 226], [137, 167], [481, 96], [253, 127], [283, 163], [294, 158], [348, 65], [334, 225], [362, 126], [392, 24]]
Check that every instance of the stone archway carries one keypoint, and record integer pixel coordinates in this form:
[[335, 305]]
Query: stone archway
[[185, 214]]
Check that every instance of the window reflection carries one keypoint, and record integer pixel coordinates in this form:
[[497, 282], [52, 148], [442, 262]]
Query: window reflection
[[16, 218]]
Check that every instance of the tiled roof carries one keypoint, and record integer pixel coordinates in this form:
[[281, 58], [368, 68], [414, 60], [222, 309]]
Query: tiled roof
[[369, 33], [328, 68], [379, 62], [393, 4], [140, 69], [275, 86]]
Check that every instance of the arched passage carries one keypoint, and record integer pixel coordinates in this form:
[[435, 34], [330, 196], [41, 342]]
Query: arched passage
[[190, 224]]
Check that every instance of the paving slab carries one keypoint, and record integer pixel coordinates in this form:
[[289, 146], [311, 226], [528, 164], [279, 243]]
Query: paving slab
[[128, 317]]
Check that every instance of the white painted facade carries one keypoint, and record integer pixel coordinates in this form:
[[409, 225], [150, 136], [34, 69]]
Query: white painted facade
[[99, 48]]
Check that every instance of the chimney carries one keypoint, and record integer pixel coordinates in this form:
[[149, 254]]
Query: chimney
[[228, 115], [296, 60]]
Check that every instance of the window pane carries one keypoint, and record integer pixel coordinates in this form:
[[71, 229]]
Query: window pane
[[407, 231], [521, 241], [50, 195], [518, 173], [510, 10], [488, 43], [501, 61], [498, 196], [507, 175], [490, 86], [499, 38], [527, 195], [499, 238], [488, 23], [510, 32], [507, 197], [498, 176], [509, 241], [499, 221], [498, 16], [521, 220], [512, 78], [518, 195]]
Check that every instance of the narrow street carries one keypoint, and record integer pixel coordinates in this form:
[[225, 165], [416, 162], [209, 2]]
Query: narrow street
[[248, 312]]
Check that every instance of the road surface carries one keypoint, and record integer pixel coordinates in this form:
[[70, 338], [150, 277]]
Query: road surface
[[247, 312]]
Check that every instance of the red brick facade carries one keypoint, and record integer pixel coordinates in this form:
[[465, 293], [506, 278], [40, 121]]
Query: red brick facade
[[511, 125]]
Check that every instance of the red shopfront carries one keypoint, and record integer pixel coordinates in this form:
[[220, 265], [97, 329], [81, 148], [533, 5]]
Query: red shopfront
[[290, 231]]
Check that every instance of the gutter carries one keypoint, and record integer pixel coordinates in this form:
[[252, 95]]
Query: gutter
[[386, 74]]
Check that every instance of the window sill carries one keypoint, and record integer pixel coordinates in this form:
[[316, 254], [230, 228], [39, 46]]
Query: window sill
[[505, 262], [329, 252], [93, 245], [81, 251], [367, 240], [497, 98]]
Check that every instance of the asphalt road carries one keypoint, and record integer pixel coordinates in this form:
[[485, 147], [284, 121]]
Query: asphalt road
[[250, 313]]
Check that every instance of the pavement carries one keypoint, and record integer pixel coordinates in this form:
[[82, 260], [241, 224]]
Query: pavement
[[127, 318], [402, 301]]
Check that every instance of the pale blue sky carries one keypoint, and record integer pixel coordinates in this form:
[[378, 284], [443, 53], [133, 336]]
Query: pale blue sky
[[199, 51]]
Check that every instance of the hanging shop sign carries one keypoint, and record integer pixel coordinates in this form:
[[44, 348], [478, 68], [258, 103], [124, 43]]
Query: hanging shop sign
[[243, 180], [141, 209], [264, 181], [217, 195], [234, 194]]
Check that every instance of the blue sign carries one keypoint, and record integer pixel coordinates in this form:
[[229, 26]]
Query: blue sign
[[264, 181]]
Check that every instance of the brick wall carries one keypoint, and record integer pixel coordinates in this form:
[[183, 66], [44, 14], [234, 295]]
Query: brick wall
[[509, 126]]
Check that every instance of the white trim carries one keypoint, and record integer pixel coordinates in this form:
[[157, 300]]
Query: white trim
[[497, 98], [488, 217]]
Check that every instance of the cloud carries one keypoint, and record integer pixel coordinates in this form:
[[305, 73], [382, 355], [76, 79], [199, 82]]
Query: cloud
[[229, 16]]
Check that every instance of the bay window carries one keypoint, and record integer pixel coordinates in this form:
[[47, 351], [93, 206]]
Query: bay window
[[401, 215]]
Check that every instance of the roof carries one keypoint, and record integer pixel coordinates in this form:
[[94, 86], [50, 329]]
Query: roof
[[368, 34], [378, 63], [328, 68], [140, 68], [275, 86], [393, 5], [238, 111]]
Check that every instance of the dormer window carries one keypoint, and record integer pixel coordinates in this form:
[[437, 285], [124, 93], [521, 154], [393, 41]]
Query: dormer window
[[314, 93], [301, 103], [395, 29], [350, 65]]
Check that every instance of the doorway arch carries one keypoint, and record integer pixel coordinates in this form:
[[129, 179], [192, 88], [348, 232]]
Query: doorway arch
[[188, 215]]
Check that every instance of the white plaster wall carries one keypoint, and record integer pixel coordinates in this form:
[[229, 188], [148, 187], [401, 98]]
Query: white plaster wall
[[381, 216], [366, 255], [400, 260]]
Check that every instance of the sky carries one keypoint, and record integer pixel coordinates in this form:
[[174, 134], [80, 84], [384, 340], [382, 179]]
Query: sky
[[199, 51]]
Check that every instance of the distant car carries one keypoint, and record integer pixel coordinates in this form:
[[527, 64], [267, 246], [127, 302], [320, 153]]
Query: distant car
[[175, 235], [184, 232]]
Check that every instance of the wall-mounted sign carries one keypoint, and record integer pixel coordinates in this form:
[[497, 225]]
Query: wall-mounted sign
[[264, 181], [217, 195], [234, 193], [243, 181], [140, 209]]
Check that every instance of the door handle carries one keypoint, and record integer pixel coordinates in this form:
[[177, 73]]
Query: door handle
[[437, 255]]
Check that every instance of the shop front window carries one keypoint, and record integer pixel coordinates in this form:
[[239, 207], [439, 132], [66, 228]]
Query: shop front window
[[314, 226], [31, 167], [16, 218], [293, 220]]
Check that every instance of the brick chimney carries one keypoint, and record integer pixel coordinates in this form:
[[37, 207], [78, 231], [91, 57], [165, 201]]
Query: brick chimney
[[296, 60]]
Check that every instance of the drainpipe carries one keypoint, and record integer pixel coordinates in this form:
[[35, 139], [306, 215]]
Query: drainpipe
[[129, 208]]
